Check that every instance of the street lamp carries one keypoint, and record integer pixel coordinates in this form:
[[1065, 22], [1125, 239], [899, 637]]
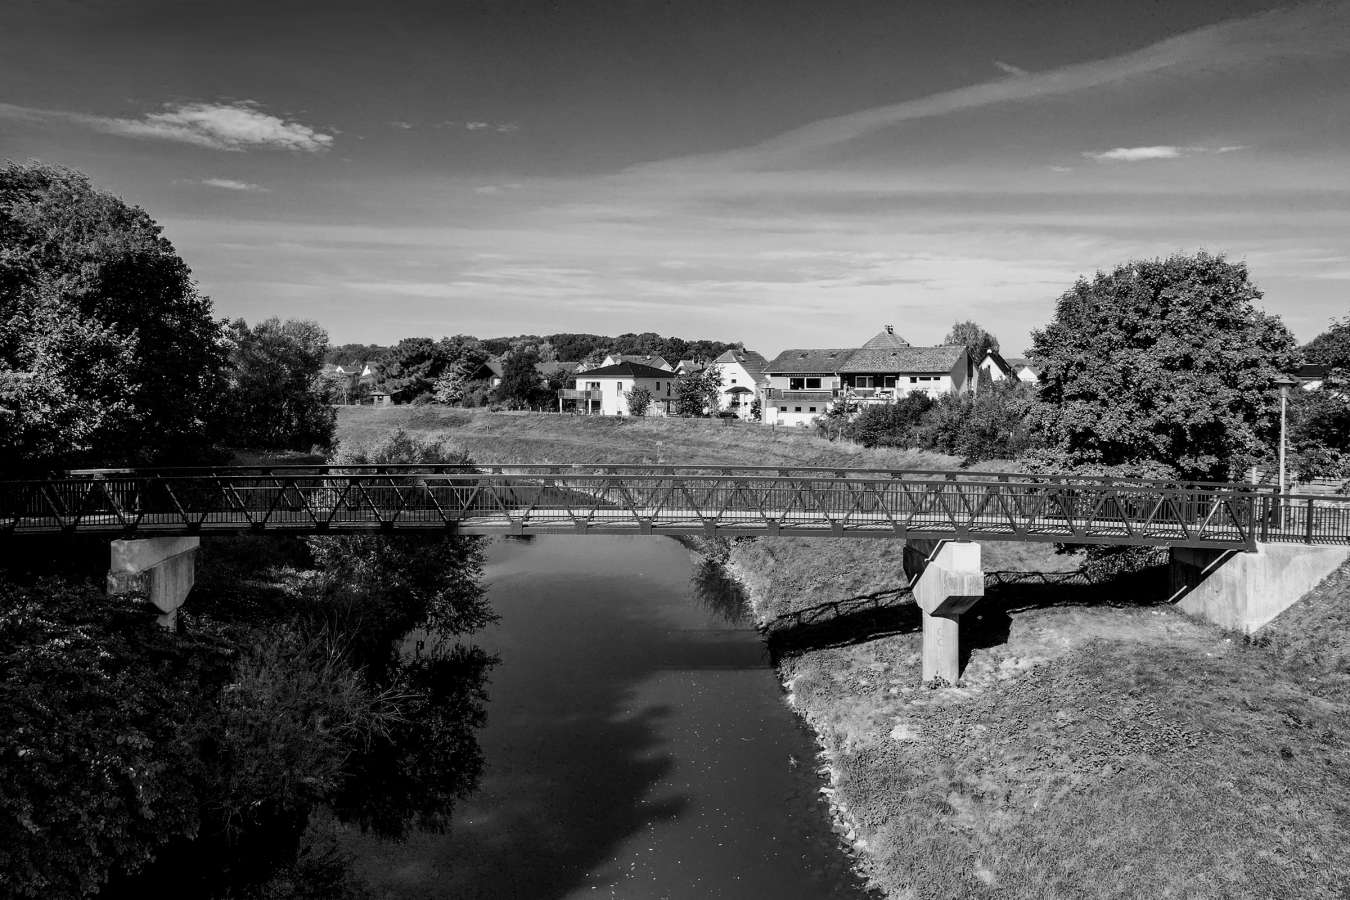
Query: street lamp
[[1284, 383]]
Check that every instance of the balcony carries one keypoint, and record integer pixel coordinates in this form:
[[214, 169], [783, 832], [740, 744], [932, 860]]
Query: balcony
[[571, 394], [824, 395]]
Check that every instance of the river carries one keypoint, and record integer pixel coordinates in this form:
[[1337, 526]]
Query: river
[[637, 745]]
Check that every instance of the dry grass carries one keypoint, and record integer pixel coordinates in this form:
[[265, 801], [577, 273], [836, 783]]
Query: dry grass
[[550, 438]]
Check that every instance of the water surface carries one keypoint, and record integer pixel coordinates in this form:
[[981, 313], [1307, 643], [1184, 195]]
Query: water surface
[[637, 745]]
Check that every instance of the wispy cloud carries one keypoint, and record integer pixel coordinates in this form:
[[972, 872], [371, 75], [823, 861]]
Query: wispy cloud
[[230, 184], [1136, 154], [1162, 151], [406, 126], [482, 125], [1010, 69], [219, 126], [1310, 31]]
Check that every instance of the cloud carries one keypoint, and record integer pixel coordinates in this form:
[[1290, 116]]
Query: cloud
[[403, 125], [229, 184], [1010, 69], [1313, 30], [477, 126], [1136, 154], [1164, 151], [219, 126]]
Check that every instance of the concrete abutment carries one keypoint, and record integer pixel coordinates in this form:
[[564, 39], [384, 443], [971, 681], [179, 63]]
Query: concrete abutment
[[1246, 590], [165, 569]]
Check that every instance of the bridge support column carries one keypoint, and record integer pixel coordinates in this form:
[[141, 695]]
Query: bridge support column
[[947, 579], [1243, 591], [163, 568]]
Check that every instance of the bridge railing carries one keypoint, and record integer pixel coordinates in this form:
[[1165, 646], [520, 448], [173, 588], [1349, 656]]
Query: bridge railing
[[1009, 506]]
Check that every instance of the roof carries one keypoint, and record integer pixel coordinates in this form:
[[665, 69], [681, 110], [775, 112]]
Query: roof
[[1003, 365], [1312, 371], [885, 339], [1019, 362], [626, 370], [904, 359], [642, 359], [751, 361], [808, 361]]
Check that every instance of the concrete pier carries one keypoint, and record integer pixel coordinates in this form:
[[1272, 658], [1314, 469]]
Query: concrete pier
[[947, 578], [1245, 590], [163, 568]]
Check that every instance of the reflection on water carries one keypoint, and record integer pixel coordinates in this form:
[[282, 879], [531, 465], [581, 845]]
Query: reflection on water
[[719, 593], [637, 744]]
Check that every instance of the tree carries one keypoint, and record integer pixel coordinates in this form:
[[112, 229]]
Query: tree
[[975, 339], [1162, 361], [107, 352], [277, 397], [698, 392], [411, 367], [639, 399], [889, 424], [521, 387], [1331, 348]]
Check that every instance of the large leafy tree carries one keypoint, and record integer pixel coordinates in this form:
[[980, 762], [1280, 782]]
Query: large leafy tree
[[277, 398], [107, 351], [1162, 362], [698, 393], [521, 386], [974, 338]]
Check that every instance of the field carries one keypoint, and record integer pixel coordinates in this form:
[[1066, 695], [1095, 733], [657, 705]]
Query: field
[[1100, 744]]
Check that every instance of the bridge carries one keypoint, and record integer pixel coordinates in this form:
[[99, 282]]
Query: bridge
[[638, 499], [157, 516]]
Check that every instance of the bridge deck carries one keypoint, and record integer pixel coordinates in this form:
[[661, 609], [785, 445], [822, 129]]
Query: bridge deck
[[666, 500]]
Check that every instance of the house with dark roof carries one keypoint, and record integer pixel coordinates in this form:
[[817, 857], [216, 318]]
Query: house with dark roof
[[604, 391], [642, 359], [802, 384], [742, 372], [1000, 367]]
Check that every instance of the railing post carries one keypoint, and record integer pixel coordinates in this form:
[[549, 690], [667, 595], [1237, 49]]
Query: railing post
[[1263, 505], [1308, 526]]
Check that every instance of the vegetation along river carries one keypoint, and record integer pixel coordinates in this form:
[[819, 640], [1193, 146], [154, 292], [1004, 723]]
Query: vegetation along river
[[637, 744]]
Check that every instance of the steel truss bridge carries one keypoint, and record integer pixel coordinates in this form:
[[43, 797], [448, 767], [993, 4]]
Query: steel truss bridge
[[637, 499]]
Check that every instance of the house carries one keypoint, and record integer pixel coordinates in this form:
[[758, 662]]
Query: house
[[800, 385], [603, 391], [1000, 367], [489, 370], [688, 367], [649, 359], [742, 371], [887, 368], [1311, 375]]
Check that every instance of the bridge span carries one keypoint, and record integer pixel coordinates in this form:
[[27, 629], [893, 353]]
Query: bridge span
[[156, 518], [626, 499]]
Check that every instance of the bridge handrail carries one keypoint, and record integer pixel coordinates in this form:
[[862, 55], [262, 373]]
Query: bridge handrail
[[654, 470]]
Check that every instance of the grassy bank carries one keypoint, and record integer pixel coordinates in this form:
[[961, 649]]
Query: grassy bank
[[1099, 744]]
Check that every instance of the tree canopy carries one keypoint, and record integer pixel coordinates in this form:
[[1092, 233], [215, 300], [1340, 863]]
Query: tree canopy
[[107, 351], [974, 338], [1165, 361], [276, 398]]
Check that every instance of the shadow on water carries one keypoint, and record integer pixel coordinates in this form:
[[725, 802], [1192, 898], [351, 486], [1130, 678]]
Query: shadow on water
[[719, 593], [579, 759]]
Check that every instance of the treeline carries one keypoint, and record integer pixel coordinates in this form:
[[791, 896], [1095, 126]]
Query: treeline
[[550, 347], [220, 760]]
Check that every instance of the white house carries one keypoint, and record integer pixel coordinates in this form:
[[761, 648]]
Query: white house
[[803, 384], [604, 391], [1012, 367], [742, 371]]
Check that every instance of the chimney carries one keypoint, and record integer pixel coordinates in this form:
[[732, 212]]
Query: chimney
[[890, 329]]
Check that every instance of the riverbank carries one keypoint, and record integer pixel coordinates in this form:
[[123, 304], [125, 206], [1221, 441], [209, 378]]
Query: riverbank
[[1098, 745]]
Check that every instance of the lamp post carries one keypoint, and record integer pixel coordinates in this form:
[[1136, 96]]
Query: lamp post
[[1284, 383]]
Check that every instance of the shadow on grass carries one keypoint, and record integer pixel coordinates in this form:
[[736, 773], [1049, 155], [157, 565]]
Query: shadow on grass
[[867, 617]]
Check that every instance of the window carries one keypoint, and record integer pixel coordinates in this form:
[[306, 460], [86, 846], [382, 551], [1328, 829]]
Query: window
[[803, 384], [733, 381], [592, 385], [796, 409], [888, 381], [619, 386], [862, 381], [813, 409]]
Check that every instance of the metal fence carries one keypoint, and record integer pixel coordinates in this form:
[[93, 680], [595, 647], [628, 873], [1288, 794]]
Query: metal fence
[[668, 499]]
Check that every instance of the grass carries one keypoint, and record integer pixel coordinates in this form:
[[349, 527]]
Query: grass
[[551, 438], [1098, 745]]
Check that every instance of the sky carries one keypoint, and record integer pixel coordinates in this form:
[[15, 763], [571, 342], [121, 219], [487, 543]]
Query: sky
[[783, 173]]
